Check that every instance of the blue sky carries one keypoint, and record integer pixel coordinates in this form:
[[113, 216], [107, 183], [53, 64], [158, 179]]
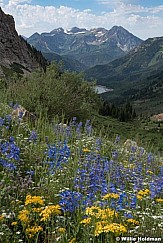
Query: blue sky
[[143, 18], [77, 4], [93, 4]]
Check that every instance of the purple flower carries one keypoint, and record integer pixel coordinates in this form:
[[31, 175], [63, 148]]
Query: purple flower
[[2, 121], [8, 166], [33, 136]]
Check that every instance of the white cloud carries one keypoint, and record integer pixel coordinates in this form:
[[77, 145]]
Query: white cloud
[[16, 2], [141, 21], [157, 9], [128, 7]]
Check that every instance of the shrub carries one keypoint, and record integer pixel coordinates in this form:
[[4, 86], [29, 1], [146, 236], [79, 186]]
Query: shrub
[[55, 93]]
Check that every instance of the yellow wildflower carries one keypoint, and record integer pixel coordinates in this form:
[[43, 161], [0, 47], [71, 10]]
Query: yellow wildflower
[[86, 221], [100, 213], [93, 211], [14, 223], [133, 221], [33, 230], [73, 240], [139, 197], [143, 193], [98, 228], [1, 217], [33, 200], [149, 172], [111, 195], [103, 226], [131, 166], [159, 200], [23, 215], [61, 230], [86, 150], [107, 213], [115, 228], [36, 210], [49, 210]]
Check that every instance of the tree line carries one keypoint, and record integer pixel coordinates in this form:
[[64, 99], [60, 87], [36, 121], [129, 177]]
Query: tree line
[[123, 113]]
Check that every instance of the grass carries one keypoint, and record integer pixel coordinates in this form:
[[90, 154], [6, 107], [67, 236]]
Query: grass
[[142, 130], [76, 183]]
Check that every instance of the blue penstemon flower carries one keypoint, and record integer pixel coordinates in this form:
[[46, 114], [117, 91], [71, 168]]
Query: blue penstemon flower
[[70, 200], [57, 155], [10, 153]]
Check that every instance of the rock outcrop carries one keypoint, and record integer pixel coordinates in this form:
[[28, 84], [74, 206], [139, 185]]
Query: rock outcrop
[[21, 113], [15, 53], [157, 118]]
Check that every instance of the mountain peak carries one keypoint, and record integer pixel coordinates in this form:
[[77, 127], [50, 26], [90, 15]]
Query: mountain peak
[[118, 29], [76, 30], [58, 30], [100, 29], [8, 19], [35, 35]]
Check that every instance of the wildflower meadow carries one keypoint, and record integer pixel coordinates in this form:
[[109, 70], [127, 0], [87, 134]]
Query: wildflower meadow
[[66, 183]]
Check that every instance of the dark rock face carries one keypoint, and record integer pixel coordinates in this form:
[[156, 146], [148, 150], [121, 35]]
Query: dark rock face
[[13, 48]]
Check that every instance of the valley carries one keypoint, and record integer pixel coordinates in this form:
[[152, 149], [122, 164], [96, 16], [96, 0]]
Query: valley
[[81, 123], [114, 58]]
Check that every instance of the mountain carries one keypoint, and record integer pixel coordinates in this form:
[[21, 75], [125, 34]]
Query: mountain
[[15, 53], [69, 63], [24, 37], [90, 47], [137, 76]]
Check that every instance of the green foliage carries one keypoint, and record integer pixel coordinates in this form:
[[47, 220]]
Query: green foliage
[[54, 93], [7, 71], [145, 132]]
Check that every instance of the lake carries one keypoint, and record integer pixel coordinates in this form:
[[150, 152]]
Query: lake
[[102, 89]]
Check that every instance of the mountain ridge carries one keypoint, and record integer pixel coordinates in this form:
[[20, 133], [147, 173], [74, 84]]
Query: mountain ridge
[[143, 57], [90, 47]]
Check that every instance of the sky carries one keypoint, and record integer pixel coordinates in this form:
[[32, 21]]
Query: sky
[[143, 18]]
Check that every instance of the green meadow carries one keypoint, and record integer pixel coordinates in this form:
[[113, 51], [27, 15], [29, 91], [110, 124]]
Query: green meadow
[[68, 176]]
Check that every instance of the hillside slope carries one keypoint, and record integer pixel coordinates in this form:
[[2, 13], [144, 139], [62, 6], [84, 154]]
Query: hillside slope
[[69, 63], [138, 76]]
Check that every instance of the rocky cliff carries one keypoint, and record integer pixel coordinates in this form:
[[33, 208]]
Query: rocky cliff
[[15, 53]]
